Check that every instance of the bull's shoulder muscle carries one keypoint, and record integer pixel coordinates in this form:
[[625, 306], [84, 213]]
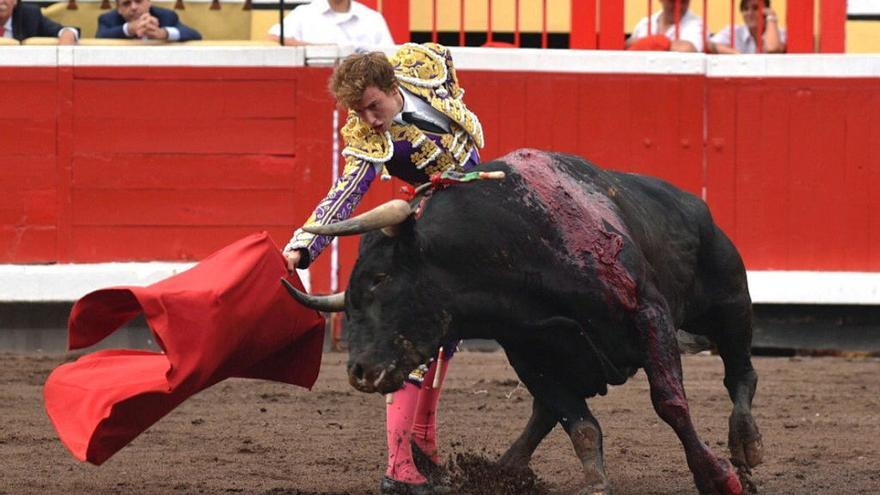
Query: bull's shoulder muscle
[[657, 196]]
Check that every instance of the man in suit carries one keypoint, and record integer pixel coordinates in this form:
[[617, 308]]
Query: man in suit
[[138, 19], [20, 21]]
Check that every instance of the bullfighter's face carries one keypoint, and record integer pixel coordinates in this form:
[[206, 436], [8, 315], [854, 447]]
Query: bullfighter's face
[[132, 9], [378, 108], [394, 316], [6, 7]]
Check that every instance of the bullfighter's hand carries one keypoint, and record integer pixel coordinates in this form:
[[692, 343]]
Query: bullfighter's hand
[[292, 258]]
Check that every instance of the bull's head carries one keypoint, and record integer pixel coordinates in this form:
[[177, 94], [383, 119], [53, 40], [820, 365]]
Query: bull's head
[[395, 319]]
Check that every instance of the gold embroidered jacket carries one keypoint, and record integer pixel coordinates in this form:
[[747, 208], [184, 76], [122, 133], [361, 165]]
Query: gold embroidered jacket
[[405, 151]]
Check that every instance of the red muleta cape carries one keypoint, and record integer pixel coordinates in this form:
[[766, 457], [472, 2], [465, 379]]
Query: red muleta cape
[[228, 316]]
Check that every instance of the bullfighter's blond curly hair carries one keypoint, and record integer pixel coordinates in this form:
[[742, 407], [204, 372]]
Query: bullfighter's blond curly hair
[[358, 72]]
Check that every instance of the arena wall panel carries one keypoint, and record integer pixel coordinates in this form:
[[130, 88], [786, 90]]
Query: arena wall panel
[[792, 170]]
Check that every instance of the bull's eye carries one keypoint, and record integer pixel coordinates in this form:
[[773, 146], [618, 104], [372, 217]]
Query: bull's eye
[[378, 279]]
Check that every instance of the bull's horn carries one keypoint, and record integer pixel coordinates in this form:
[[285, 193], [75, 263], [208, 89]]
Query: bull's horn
[[330, 304], [391, 213]]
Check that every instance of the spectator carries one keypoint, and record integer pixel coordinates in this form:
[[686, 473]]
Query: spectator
[[745, 34], [138, 19], [334, 22], [690, 30], [20, 21]]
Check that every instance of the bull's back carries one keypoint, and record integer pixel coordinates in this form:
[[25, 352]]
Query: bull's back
[[622, 225], [582, 226]]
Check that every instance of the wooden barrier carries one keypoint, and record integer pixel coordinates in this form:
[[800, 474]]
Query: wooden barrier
[[104, 161]]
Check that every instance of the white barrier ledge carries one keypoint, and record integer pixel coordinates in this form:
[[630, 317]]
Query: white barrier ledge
[[181, 55], [578, 61], [466, 58], [69, 282], [186, 56], [28, 56], [794, 65], [805, 287]]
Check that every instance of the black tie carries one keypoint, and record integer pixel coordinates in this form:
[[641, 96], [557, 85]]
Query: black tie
[[425, 125]]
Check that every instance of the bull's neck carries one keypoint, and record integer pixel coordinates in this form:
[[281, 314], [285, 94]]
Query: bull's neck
[[485, 315]]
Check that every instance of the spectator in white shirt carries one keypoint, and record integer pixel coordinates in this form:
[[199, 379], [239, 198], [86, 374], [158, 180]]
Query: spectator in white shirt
[[663, 36], [744, 35], [334, 22]]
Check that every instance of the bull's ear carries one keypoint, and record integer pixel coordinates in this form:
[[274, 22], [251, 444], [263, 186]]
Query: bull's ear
[[407, 234], [407, 228]]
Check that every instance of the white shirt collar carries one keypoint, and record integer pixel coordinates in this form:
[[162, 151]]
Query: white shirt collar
[[8, 27], [421, 109], [324, 6], [408, 105]]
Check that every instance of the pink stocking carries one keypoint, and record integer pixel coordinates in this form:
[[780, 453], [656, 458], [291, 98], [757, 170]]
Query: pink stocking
[[425, 425], [399, 422]]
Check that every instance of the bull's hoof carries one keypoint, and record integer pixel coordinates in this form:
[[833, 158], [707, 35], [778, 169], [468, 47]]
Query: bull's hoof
[[754, 451], [389, 486], [745, 479], [744, 441], [726, 483]]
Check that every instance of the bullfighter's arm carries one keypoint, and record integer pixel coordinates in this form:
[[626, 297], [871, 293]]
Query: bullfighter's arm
[[338, 205]]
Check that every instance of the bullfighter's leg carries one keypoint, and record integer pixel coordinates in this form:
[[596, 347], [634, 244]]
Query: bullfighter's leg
[[403, 475], [426, 453], [400, 413], [663, 368], [574, 416], [542, 421], [425, 423]]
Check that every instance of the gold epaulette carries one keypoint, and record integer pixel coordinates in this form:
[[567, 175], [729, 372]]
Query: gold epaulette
[[427, 71]]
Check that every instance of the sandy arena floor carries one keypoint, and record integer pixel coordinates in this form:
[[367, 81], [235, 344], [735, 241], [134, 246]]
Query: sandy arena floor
[[820, 418]]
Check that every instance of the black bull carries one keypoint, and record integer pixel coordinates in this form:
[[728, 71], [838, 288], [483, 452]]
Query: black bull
[[583, 276]]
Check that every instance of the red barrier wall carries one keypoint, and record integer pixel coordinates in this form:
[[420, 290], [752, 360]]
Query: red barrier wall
[[140, 163], [794, 171], [145, 163]]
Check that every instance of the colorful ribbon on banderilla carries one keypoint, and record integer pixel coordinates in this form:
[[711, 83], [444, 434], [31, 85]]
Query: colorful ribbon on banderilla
[[443, 180]]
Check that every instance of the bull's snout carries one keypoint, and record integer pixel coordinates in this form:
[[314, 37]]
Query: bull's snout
[[374, 378]]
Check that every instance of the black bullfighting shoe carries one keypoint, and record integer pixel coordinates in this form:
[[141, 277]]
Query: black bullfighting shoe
[[436, 473], [389, 486]]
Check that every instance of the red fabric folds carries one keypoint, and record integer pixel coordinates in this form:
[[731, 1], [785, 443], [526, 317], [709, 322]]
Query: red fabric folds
[[228, 316]]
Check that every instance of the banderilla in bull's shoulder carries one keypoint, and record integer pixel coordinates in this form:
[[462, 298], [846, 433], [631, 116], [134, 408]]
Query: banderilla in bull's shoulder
[[388, 216]]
